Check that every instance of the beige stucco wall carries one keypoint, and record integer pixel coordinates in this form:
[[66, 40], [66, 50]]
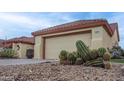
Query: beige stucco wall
[[23, 47], [97, 37], [115, 38], [38, 47], [94, 40], [14, 47], [107, 41]]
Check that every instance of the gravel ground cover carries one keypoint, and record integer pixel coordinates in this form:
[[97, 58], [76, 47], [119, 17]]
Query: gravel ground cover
[[57, 72]]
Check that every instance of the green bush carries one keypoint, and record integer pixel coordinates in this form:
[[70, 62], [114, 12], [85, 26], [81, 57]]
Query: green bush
[[117, 52], [7, 53]]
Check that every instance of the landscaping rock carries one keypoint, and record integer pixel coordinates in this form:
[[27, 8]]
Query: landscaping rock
[[122, 70], [57, 72]]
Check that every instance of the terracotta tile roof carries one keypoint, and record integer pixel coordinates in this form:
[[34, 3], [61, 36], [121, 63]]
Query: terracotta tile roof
[[28, 40], [75, 25], [114, 27], [7, 45], [1, 43]]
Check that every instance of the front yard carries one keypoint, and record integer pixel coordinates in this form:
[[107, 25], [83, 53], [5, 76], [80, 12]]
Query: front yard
[[57, 72], [83, 64]]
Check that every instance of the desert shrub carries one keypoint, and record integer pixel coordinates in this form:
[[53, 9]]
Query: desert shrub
[[71, 57], [107, 56], [30, 53], [122, 52], [101, 51], [117, 52], [115, 56], [8, 53]]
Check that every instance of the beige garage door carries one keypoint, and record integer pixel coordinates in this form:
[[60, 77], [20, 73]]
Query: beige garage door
[[54, 45]]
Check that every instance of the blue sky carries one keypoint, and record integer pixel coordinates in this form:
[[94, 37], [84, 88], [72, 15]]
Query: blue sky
[[22, 24]]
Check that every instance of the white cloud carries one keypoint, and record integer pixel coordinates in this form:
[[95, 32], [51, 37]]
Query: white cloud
[[34, 22], [21, 20], [18, 23], [66, 17], [15, 18]]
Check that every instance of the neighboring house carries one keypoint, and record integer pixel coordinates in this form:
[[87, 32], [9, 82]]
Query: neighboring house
[[1, 43], [95, 33], [20, 44]]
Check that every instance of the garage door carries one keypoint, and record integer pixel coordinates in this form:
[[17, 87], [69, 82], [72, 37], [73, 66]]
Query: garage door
[[54, 45]]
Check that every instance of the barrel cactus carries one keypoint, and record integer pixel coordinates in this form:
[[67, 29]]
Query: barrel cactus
[[95, 63], [83, 50], [94, 54], [107, 65], [63, 56], [79, 61], [101, 51], [107, 56], [71, 57]]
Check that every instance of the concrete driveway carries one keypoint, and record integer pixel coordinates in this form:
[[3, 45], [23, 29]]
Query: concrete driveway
[[20, 61]]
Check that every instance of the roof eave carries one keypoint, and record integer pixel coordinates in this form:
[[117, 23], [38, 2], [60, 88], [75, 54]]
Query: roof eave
[[104, 24]]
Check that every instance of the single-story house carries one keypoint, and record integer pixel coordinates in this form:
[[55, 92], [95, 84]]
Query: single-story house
[[1, 43], [95, 33], [20, 44]]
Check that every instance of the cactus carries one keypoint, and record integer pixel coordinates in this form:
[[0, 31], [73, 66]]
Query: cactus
[[96, 63], [83, 50], [107, 65], [107, 56], [101, 51], [94, 54], [63, 55], [71, 57], [79, 61]]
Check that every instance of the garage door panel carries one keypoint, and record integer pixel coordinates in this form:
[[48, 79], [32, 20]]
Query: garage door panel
[[54, 45]]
